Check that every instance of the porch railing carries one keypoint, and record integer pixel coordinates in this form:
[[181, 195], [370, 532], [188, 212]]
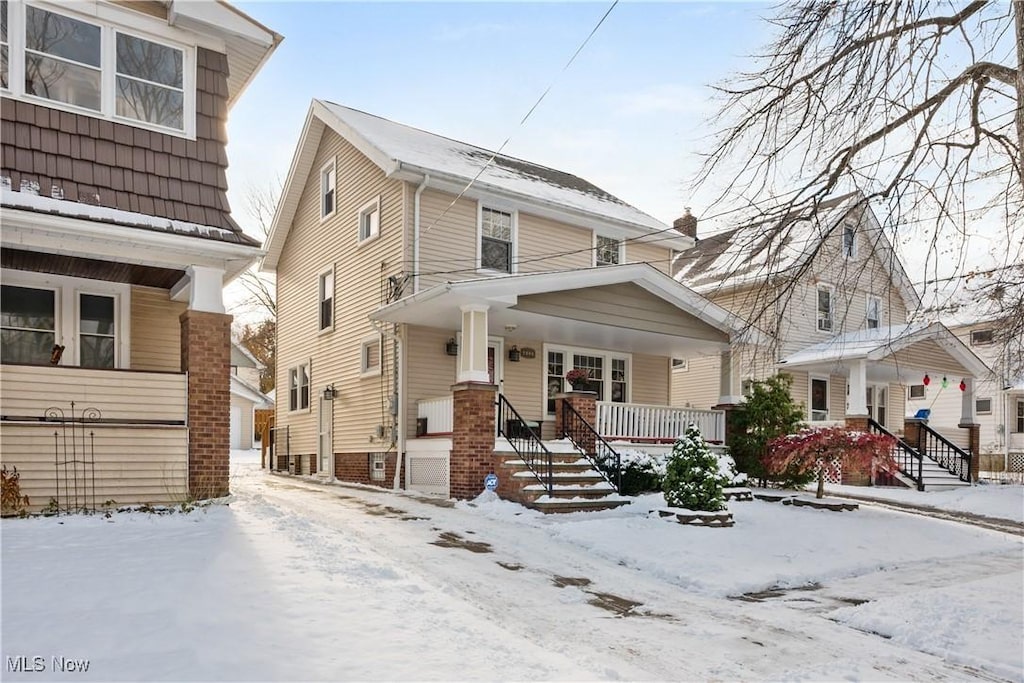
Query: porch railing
[[943, 451], [640, 422], [438, 414], [526, 443], [908, 460], [598, 451]]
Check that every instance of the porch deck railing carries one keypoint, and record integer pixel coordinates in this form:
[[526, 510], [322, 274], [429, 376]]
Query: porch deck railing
[[438, 414], [640, 422], [908, 460]]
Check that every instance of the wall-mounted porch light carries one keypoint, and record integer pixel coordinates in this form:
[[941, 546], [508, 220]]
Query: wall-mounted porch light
[[513, 354], [330, 393], [451, 347]]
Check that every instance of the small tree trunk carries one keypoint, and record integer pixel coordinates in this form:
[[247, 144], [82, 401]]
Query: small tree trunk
[[821, 483]]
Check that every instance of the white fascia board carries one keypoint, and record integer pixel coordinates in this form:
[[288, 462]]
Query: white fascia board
[[121, 244], [221, 18], [369, 150], [668, 238]]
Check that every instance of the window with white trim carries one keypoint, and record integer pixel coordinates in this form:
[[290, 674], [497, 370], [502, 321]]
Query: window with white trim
[[497, 232], [915, 392], [819, 399], [57, 320], [328, 182], [874, 312], [370, 355], [609, 373], [607, 251], [981, 337], [824, 308], [849, 241], [369, 220], [325, 293], [1020, 415], [983, 406], [298, 387], [81, 64], [5, 47]]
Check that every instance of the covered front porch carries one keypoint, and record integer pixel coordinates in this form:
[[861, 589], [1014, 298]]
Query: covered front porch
[[521, 336]]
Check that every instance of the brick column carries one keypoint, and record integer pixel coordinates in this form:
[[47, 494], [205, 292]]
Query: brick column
[[912, 432], [206, 357], [472, 456], [974, 439], [585, 403], [857, 477], [730, 420]]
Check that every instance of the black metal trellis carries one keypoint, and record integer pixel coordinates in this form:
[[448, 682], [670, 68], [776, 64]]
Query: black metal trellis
[[74, 459]]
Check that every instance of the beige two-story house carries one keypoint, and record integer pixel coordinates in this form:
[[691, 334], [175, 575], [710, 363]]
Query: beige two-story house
[[833, 300], [414, 270]]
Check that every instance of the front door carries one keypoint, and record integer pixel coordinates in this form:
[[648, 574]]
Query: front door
[[877, 398], [325, 440]]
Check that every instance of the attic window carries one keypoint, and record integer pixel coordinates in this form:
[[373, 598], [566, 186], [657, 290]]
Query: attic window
[[824, 308], [849, 241], [874, 314], [90, 67], [327, 185], [981, 337]]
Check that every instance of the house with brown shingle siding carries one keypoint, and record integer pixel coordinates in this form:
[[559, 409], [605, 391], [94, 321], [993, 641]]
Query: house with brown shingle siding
[[117, 240]]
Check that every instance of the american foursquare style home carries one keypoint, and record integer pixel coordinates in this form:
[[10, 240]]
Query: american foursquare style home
[[117, 239], [434, 299]]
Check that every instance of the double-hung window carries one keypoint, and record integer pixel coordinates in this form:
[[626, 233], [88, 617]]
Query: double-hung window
[[325, 286], [608, 374], [369, 220], [88, 66], [28, 324], [298, 387], [819, 399], [824, 308], [327, 186], [496, 239], [849, 241], [607, 251], [874, 313], [96, 326], [1020, 415]]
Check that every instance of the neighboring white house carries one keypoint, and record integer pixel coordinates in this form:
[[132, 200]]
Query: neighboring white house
[[246, 397]]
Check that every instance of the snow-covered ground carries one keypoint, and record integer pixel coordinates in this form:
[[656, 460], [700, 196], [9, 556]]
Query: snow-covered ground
[[297, 580], [1004, 501]]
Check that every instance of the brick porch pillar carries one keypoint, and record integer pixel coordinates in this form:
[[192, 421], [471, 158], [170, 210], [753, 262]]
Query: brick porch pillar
[[974, 439], [585, 403], [206, 357], [472, 456], [731, 428], [912, 432], [858, 477]]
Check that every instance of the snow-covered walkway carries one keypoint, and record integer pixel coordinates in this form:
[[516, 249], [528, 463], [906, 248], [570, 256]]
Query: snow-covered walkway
[[297, 580]]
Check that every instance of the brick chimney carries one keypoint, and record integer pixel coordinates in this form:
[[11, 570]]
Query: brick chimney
[[686, 224]]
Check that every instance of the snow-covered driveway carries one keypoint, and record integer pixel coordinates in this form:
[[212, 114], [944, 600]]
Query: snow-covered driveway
[[300, 581]]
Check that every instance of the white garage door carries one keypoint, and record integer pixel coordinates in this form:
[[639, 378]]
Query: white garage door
[[236, 427]]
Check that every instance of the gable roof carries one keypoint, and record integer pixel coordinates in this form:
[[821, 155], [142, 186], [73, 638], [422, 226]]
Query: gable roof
[[415, 155], [751, 254]]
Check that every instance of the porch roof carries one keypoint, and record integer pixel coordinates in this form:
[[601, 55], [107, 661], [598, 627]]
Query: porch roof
[[518, 303], [882, 342]]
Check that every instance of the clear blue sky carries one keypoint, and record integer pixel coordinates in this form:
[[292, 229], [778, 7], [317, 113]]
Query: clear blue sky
[[628, 115]]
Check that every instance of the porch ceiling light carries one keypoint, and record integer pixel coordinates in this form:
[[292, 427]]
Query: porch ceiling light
[[511, 327]]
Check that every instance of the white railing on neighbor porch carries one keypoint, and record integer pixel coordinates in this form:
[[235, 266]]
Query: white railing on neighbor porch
[[438, 412], [638, 422]]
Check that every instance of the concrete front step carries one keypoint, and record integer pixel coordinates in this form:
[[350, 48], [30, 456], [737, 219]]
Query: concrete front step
[[586, 477], [555, 505]]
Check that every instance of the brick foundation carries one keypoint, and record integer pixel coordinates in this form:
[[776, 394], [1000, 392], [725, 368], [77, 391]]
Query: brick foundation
[[974, 439], [472, 456], [206, 357], [857, 476], [357, 468]]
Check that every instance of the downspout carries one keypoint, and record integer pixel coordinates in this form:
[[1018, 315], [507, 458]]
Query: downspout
[[416, 234], [398, 414]]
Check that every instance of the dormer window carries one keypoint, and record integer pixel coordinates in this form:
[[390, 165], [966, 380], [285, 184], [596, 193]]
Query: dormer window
[[91, 67]]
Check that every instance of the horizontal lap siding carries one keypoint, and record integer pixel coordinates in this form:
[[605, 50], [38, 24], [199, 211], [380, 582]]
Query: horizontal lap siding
[[156, 330], [447, 240], [29, 391], [698, 385], [650, 380], [430, 373], [523, 383], [654, 254], [132, 464], [361, 272], [546, 245]]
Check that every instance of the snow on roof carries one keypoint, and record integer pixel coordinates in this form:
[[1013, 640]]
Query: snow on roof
[[241, 388], [63, 207], [753, 252], [854, 344], [436, 154]]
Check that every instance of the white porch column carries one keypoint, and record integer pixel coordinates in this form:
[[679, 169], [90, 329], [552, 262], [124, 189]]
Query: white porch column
[[857, 400], [967, 403], [473, 349], [204, 288], [727, 393]]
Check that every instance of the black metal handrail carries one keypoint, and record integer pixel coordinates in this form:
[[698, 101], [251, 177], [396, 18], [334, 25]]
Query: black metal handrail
[[943, 451], [907, 458], [582, 434], [526, 443]]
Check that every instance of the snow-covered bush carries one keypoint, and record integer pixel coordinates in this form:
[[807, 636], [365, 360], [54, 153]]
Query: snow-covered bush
[[640, 471], [693, 479]]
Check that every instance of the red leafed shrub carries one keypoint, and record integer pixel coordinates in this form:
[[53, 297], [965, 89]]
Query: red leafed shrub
[[826, 450]]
